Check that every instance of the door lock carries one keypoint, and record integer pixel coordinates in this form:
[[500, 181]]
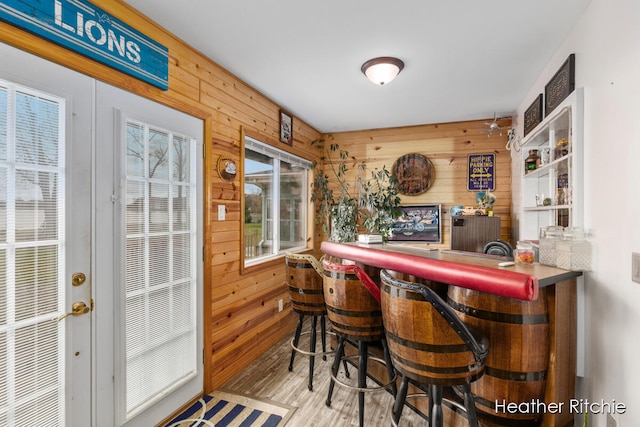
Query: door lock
[[78, 279], [78, 308]]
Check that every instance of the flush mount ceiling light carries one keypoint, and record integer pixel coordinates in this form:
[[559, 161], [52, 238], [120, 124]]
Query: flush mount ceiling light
[[382, 70]]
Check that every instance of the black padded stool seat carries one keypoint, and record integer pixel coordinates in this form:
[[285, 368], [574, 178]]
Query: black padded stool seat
[[430, 346], [353, 308], [304, 283]]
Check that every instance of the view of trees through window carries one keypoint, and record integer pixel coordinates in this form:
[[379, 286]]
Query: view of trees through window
[[275, 197]]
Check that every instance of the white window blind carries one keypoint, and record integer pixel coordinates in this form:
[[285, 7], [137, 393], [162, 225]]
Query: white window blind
[[31, 257], [160, 265]]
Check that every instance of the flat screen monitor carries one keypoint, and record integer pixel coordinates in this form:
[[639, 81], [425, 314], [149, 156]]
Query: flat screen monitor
[[417, 223]]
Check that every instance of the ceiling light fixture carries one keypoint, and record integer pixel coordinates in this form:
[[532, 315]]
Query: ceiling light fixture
[[382, 70]]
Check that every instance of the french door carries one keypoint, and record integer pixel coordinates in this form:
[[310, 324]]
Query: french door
[[100, 251], [154, 254], [45, 243]]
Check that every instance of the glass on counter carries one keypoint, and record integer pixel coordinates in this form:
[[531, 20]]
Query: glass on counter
[[573, 251], [548, 239], [523, 253]]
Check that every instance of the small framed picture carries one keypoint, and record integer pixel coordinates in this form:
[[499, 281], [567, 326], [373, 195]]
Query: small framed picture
[[286, 128], [533, 115], [560, 85]]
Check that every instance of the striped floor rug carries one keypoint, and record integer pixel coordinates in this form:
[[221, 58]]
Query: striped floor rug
[[228, 409]]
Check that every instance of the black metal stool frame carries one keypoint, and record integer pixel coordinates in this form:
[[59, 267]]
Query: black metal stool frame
[[308, 310], [480, 351], [362, 344]]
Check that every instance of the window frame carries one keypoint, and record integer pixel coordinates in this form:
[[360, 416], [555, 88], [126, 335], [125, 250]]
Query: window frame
[[251, 142]]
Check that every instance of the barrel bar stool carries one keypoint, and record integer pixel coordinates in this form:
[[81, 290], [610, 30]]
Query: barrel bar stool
[[353, 308], [304, 283], [430, 346]]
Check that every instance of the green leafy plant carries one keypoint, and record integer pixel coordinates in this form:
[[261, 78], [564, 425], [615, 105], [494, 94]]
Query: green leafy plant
[[337, 210], [378, 200]]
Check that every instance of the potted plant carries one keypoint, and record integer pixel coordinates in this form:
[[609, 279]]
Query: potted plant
[[378, 201], [340, 211], [336, 209]]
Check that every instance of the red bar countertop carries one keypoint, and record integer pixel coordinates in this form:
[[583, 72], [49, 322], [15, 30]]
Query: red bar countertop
[[468, 270]]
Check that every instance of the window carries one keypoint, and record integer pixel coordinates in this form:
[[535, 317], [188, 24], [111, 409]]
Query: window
[[275, 201], [32, 257], [160, 260]]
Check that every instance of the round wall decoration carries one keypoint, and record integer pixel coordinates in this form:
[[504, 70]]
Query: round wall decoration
[[226, 168], [415, 174]]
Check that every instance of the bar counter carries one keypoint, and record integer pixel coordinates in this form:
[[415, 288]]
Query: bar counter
[[481, 273]]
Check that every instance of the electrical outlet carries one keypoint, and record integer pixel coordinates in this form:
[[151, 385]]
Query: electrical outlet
[[611, 422], [222, 212], [635, 267], [280, 305]]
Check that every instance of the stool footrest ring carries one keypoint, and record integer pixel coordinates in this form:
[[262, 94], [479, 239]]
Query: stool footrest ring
[[309, 353], [364, 389]]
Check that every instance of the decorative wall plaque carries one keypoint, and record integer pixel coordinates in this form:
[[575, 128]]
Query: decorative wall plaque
[[560, 85], [415, 174], [226, 168], [533, 115]]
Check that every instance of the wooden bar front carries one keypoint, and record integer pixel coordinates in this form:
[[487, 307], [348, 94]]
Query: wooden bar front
[[558, 286]]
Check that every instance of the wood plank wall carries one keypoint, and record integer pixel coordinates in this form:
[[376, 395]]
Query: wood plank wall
[[241, 311], [447, 145]]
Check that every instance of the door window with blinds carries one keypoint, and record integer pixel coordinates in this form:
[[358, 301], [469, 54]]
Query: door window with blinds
[[31, 257], [160, 224], [275, 198]]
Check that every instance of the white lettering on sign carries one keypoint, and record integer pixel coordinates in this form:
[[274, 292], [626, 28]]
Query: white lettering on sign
[[96, 32]]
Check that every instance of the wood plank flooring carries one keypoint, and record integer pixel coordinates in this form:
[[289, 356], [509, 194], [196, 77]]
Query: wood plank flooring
[[269, 378]]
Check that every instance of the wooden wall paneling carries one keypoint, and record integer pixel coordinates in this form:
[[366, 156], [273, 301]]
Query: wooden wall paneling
[[447, 146]]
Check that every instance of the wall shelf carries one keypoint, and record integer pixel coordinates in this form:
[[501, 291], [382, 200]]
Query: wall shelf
[[559, 179]]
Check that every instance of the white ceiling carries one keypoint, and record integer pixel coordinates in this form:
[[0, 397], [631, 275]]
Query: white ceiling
[[464, 59]]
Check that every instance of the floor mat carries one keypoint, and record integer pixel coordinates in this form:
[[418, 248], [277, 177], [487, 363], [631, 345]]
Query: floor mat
[[228, 409]]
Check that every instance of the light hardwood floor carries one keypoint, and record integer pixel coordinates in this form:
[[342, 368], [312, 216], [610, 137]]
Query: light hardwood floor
[[269, 378]]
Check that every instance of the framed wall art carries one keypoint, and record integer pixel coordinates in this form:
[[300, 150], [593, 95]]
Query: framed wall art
[[533, 115], [415, 174], [286, 127], [560, 85]]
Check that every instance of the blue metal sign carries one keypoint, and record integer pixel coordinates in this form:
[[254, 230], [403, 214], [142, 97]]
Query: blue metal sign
[[83, 28], [481, 172]]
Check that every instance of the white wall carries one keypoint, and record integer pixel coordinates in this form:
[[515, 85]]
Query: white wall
[[606, 41]]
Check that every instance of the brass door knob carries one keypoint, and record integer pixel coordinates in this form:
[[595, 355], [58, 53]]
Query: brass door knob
[[78, 308]]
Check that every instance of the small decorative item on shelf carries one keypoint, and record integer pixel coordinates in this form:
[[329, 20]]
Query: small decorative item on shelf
[[532, 162], [524, 252], [562, 148], [545, 156]]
